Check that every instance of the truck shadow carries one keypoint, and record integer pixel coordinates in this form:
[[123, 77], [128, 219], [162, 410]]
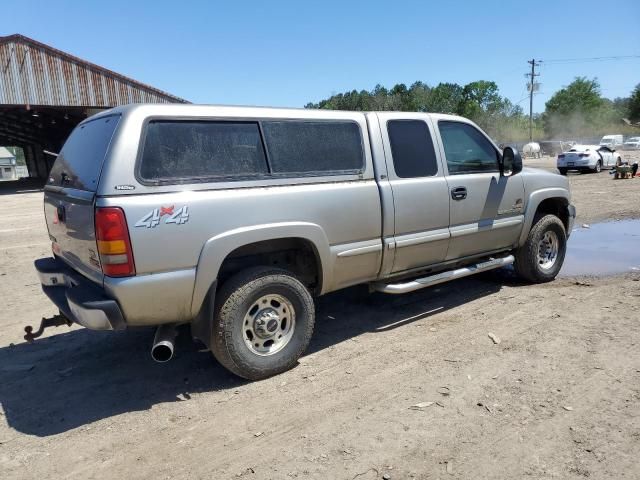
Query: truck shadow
[[75, 378]]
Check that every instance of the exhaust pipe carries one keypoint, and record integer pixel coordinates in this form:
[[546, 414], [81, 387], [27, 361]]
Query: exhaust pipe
[[163, 343]]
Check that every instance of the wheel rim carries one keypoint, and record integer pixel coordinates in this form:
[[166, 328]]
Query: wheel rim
[[548, 248], [269, 324], [598, 167]]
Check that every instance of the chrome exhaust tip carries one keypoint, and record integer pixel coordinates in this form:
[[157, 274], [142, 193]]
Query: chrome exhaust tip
[[164, 343]]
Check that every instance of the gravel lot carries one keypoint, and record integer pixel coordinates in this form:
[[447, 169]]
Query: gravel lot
[[558, 397]]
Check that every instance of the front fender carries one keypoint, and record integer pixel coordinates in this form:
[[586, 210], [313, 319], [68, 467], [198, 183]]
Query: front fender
[[217, 248], [533, 202]]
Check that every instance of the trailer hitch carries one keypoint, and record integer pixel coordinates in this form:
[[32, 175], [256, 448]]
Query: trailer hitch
[[54, 321]]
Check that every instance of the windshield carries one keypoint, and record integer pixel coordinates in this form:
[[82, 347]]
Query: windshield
[[79, 163]]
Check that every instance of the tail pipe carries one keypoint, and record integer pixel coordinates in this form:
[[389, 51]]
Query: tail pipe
[[163, 343]]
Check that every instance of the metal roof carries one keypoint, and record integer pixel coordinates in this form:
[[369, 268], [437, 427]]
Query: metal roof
[[32, 73]]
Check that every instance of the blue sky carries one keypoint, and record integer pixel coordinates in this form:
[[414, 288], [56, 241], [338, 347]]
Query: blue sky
[[287, 53]]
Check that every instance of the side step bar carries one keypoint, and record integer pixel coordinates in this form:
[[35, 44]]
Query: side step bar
[[442, 277]]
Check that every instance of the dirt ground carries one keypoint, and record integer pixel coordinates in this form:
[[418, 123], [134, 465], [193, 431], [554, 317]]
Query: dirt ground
[[596, 196], [557, 397]]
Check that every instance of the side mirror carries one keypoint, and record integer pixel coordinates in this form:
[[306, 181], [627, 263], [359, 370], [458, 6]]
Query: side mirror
[[510, 162]]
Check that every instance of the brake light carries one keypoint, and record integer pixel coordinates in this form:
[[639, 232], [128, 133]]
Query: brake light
[[561, 155], [582, 155], [114, 245]]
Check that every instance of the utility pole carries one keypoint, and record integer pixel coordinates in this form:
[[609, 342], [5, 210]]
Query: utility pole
[[532, 87]]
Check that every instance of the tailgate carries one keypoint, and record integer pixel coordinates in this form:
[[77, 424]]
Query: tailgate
[[70, 222], [69, 196]]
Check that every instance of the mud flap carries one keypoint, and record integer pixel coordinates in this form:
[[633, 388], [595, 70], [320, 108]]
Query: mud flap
[[202, 323]]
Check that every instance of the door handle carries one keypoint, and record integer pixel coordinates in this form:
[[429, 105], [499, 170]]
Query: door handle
[[459, 193]]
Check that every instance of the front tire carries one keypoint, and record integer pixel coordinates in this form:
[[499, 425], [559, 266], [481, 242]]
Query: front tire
[[563, 171], [540, 259], [263, 322]]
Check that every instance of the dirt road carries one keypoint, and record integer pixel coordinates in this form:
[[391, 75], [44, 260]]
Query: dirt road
[[558, 397]]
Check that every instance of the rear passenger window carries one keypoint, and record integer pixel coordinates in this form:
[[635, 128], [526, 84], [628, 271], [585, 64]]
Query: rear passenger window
[[311, 147], [412, 148], [199, 150]]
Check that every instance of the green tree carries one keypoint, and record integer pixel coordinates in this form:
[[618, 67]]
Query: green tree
[[480, 97], [633, 104], [18, 152], [580, 95], [576, 109], [445, 98], [479, 100]]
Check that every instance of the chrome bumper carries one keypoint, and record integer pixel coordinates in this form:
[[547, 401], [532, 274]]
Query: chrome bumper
[[80, 300]]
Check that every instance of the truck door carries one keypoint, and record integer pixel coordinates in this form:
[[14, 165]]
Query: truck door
[[420, 192], [486, 209]]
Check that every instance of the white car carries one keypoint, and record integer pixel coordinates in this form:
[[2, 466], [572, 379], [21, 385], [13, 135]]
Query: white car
[[584, 158], [632, 143]]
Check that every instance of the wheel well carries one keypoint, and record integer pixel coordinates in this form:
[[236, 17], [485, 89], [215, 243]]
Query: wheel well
[[296, 255], [555, 206]]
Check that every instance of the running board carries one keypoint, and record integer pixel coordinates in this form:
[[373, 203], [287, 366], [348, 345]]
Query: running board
[[442, 277]]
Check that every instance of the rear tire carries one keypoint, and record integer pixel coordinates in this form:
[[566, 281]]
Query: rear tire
[[563, 171], [598, 167], [263, 322], [540, 259]]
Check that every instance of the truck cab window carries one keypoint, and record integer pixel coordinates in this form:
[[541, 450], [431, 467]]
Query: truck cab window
[[412, 149], [466, 149]]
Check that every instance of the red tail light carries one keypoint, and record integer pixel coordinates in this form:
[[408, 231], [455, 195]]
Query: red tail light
[[114, 245]]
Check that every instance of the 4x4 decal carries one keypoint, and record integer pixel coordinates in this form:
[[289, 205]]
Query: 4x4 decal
[[153, 218]]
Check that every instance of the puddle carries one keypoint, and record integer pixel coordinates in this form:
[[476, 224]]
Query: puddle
[[603, 249]]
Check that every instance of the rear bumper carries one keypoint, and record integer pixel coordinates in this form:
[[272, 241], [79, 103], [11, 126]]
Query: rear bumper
[[579, 165], [80, 300]]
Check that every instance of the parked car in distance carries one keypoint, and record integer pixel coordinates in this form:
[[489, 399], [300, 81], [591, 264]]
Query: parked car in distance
[[587, 158], [612, 141], [232, 220], [632, 143], [552, 148]]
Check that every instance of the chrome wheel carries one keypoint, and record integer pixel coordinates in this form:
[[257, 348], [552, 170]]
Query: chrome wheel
[[548, 248], [269, 324]]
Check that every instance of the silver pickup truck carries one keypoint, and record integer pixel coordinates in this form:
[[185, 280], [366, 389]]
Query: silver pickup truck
[[234, 219]]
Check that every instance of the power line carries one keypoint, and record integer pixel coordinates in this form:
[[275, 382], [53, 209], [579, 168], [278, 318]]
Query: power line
[[589, 59]]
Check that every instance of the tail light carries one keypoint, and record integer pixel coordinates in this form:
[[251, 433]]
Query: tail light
[[114, 245], [582, 155], [561, 155]]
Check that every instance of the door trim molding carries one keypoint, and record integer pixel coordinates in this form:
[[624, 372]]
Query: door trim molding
[[411, 239], [485, 225]]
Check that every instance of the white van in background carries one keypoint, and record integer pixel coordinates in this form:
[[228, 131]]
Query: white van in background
[[612, 141]]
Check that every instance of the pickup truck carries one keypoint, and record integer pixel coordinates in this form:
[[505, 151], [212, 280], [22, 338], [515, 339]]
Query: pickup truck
[[233, 219]]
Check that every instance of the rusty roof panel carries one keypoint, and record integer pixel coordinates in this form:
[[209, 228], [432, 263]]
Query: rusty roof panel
[[32, 73]]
